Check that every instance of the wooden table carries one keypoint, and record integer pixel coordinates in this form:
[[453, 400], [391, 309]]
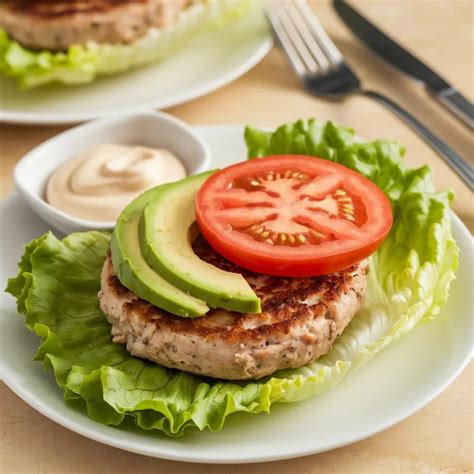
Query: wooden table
[[439, 438]]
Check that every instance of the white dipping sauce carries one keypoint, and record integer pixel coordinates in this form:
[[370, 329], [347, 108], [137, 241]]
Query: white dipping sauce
[[99, 183]]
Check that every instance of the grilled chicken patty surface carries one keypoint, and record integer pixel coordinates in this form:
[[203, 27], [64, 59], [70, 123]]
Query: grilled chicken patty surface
[[301, 318], [58, 24]]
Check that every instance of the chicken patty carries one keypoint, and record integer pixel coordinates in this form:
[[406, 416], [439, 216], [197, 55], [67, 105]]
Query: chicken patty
[[300, 320], [56, 25]]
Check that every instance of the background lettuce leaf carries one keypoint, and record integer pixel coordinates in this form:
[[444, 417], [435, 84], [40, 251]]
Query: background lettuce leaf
[[57, 284], [81, 64]]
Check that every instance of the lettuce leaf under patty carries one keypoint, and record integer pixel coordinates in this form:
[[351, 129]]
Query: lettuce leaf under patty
[[81, 64], [57, 284]]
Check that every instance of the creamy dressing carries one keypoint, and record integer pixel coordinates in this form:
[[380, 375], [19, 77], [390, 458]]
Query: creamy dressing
[[97, 184]]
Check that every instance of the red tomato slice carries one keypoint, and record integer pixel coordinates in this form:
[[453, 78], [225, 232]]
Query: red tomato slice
[[292, 215]]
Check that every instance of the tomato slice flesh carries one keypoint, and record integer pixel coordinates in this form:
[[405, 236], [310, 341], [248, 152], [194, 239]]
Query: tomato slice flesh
[[292, 215]]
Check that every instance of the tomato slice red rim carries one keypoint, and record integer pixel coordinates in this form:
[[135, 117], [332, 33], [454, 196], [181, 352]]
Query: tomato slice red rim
[[292, 215]]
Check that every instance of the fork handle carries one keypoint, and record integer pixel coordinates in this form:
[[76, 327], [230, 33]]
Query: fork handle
[[462, 168]]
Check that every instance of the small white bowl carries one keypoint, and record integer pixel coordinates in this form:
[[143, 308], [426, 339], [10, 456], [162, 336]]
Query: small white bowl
[[152, 129]]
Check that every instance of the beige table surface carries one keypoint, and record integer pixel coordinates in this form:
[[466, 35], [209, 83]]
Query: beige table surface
[[439, 438]]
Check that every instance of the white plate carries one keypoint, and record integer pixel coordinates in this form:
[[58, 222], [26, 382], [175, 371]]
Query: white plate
[[207, 62], [395, 384]]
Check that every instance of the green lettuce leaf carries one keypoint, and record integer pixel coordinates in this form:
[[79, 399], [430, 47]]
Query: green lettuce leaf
[[57, 284], [81, 64]]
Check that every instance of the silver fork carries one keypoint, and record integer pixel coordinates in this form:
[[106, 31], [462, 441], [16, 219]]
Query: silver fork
[[321, 68]]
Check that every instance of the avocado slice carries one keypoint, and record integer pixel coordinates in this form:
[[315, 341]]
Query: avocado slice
[[134, 272], [166, 245]]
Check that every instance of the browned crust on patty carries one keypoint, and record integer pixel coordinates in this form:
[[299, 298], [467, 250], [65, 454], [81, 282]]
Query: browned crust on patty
[[300, 319], [47, 9]]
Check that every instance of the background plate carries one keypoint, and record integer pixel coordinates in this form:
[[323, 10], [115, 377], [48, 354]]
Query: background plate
[[395, 384], [209, 61]]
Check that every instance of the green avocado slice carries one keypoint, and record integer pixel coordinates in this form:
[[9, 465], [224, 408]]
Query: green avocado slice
[[166, 245], [134, 272]]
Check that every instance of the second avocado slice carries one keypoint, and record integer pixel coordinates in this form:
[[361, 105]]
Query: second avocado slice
[[166, 245]]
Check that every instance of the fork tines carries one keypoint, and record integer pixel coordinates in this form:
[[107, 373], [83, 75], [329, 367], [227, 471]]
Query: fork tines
[[308, 47]]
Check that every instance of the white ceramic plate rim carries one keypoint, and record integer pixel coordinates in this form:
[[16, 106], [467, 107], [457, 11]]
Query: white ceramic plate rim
[[7, 116], [402, 411]]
